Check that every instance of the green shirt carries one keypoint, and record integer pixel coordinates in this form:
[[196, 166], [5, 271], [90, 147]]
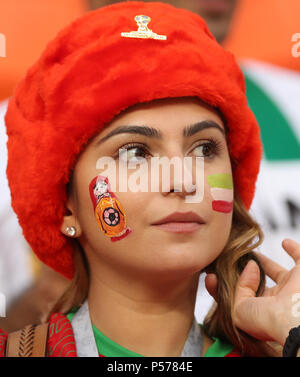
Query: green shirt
[[109, 348]]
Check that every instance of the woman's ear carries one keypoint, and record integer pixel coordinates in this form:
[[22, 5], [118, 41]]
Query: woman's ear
[[70, 226]]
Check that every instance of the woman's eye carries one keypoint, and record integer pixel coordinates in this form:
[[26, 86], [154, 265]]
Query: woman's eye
[[208, 149], [138, 153], [134, 153]]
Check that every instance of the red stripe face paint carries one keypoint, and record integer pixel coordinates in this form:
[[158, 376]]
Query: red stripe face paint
[[221, 189], [109, 212], [222, 206]]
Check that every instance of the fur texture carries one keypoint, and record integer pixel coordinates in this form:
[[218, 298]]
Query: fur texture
[[86, 76]]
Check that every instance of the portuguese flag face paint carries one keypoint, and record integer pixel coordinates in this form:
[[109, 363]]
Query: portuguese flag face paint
[[221, 189]]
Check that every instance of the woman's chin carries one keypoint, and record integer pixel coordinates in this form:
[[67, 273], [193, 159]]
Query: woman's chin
[[172, 260]]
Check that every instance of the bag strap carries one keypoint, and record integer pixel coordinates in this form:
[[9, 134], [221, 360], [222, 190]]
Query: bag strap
[[31, 341]]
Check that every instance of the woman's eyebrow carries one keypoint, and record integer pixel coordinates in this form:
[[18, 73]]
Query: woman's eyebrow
[[199, 126], [141, 130], [156, 134]]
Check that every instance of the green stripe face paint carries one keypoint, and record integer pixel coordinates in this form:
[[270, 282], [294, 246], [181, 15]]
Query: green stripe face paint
[[221, 189], [220, 181]]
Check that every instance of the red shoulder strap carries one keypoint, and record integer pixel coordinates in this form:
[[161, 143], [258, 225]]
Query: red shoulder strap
[[3, 340], [61, 342]]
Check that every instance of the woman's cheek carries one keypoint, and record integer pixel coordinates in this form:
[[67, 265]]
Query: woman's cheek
[[110, 214], [221, 192]]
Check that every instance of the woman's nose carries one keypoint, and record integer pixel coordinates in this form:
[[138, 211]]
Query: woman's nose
[[185, 178]]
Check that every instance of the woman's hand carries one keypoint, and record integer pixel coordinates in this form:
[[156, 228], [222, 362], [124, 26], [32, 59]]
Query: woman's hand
[[272, 315]]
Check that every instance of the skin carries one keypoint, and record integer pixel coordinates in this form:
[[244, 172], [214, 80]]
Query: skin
[[150, 278], [217, 19], [218, 23], [273, 312], [270, 316]]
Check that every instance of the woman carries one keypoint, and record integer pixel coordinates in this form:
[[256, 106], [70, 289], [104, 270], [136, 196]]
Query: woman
[[125, 84]]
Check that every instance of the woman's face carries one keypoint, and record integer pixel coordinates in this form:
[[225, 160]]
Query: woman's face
[[146, 248]]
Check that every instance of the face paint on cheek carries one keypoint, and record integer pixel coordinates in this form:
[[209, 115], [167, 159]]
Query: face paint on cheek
[[109, 212], [221, 189]]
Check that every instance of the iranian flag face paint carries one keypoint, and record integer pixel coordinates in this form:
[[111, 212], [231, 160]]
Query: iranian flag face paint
[[221, 189]]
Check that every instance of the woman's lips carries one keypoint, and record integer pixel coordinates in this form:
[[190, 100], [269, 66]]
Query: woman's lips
[[180, 222], [180, 227]]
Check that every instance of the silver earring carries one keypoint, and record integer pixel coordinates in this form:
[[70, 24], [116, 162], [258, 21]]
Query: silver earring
[[71, 231]]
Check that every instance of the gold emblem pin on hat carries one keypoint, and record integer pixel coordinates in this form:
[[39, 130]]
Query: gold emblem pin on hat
[[143, 30]]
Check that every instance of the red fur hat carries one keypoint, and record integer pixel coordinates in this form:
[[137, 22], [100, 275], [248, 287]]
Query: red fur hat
[[88, 74]]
